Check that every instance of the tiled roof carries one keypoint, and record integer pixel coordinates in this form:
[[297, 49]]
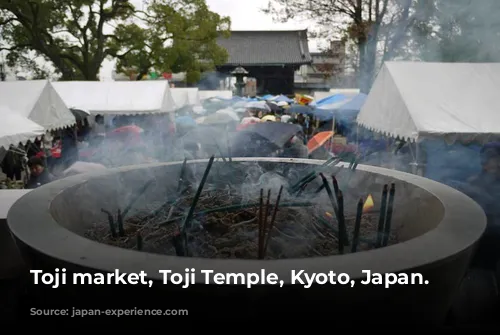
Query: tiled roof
[[248, 48]]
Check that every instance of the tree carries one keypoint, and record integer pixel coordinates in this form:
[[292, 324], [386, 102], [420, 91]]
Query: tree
[[178, 36], [75, 36], [459, 31], [70, 34], [366, 23]]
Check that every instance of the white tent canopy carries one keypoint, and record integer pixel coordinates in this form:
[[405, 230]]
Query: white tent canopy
[[185, 97], [117, 97], [412, 100], [214, 94], [38, 101], [15, 128]]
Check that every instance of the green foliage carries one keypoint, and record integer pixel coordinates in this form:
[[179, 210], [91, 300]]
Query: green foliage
[[178, 36], [75, 36]]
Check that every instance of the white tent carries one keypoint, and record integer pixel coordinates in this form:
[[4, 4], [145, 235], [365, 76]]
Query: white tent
[[15, 128], [215, 94], [38, 101], [185, 96], [117, 97], [412, 100]]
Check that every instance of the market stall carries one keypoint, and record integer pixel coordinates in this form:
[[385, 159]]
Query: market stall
[[417, 102], [38, 101], [185, 97], [117, 98]]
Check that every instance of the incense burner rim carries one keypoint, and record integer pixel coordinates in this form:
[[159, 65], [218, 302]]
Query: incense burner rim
[[463, 223]]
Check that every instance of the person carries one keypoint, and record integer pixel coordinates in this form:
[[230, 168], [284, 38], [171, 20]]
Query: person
[[295, 148], [490, 167], [12, 164], [98, 131], [39, 175]]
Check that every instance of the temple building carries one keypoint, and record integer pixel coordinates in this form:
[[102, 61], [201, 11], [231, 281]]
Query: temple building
[[271, 57]]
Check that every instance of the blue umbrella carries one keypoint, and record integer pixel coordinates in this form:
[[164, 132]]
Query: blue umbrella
[[267, 97], [345, 109], [300, 109], [331, 99], [354, 105], [283, 98], [185, 121]]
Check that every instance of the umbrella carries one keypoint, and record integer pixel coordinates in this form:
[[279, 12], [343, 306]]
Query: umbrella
[[267, 97], [354, 104], [199, 110], [240, 104], [300, 109], [282, 103], [260, 105], [230, 113], [282, 98], [79, 114], [132, 129], [271, 118], [277, 133], [250, 144], [318, 140], [185, 121], [274, 107], [331, 99], [250, 119], [216, 118]]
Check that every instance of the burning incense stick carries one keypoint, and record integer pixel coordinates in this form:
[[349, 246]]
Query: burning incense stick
[[111, 222], [261, 223], [388, 219], [381, 221], [119, 219], [330, 194], [340, 203], [273, 218], [235, 208], [187, 222], [181, 175], [335, 185], [342, 226], [229, 149], [220, 151], [179, 245], [357, 226], [138, 238], [139, 194]]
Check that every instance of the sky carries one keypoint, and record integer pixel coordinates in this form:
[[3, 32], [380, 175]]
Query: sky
[[244, 14]]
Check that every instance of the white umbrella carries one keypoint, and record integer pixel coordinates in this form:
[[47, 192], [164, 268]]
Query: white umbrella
[[261, 105], [229, 112], [240, 104], [15, 128]]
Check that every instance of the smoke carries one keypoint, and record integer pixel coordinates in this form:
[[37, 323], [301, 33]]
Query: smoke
[[211, 81], [443, 31]]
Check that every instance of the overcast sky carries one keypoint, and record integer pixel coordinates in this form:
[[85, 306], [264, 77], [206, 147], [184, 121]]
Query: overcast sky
[[244, 14]]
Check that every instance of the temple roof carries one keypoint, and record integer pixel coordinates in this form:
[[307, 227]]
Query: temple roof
[[250, 48]]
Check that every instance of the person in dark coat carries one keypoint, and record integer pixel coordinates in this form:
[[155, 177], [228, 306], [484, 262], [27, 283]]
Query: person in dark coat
[[12, 165], [39, 175]]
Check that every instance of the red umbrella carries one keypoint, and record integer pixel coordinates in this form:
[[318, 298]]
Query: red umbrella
[[133, 129]]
